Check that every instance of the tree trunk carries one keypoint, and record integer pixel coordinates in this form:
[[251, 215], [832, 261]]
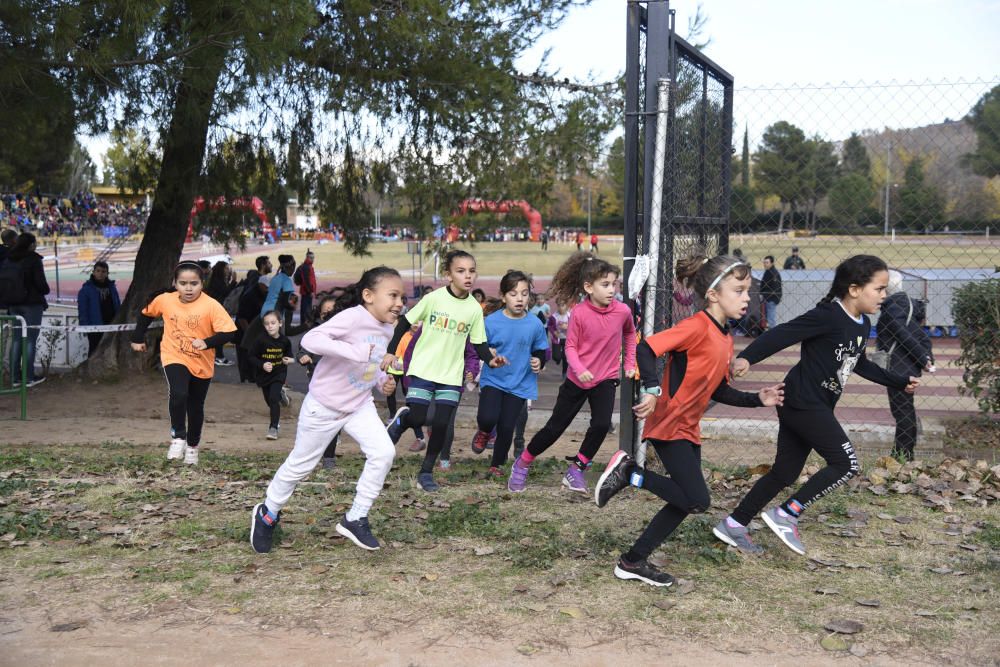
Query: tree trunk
[[781, 218], [166, 227]]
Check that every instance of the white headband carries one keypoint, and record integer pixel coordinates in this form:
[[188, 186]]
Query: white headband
[[723, 274]]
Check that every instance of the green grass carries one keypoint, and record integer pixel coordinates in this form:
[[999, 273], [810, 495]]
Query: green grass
[[476, 554], [822, 252]]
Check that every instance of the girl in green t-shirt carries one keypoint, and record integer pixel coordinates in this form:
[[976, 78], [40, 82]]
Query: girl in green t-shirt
[[450, 316]]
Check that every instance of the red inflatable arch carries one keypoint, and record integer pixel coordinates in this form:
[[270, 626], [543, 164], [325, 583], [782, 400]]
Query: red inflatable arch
[[251, 204], [533, 217]]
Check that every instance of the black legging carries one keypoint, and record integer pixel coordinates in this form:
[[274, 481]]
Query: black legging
[[905, 414], [391, 403], [571, 398], [272, 396], [799, 432], [684, 491], [559, 355], [417, 417], [186, 399], [499, 410]]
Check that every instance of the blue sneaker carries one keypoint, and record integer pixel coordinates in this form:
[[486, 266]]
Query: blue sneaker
[[358, 532], [427, 483], [262, 529], [395, 425]]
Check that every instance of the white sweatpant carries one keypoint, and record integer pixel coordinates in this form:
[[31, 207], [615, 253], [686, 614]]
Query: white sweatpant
[[317, 426]]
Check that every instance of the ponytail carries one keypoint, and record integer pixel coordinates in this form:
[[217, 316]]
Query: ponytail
[[701, 273]]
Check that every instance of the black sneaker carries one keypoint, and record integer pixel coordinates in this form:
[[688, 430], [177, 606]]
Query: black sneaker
[[614, 478], [262, 529], [358, 532], [395, 426], [642, 571]]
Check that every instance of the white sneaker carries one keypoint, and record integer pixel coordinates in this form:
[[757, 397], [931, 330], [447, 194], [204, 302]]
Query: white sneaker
[[176, 450], [191, 456]]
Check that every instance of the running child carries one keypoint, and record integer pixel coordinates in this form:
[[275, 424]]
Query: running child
[[271, 355], [558, 326], [597, 327], [521, 339], [193, 325], [352, 343], [834, 335], [700, 351], [450, 316]]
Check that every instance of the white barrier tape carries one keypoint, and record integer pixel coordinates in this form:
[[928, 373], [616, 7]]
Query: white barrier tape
[[92, 328]]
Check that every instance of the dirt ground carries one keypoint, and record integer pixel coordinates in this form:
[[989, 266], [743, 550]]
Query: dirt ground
[[178, 585]]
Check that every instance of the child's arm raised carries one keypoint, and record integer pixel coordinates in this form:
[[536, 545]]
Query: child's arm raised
[[327, 340], [872, 372], [766, 397], [807, 325]]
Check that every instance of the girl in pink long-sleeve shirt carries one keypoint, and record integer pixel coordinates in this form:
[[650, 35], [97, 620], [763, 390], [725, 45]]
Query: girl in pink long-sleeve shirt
[[598, 328], [352, 344]]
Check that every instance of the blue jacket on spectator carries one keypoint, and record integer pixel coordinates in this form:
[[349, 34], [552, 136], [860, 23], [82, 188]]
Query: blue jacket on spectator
[[88, 302]]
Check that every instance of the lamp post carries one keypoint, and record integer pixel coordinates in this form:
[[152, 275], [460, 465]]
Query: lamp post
[[888, 185]]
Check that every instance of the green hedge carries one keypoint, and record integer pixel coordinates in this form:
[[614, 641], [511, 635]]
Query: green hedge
[[976, 307]]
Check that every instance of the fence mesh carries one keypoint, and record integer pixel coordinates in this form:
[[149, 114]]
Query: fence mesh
[[820, 173]]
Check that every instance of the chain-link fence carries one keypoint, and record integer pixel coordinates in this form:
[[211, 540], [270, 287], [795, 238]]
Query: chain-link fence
[[820, 173]]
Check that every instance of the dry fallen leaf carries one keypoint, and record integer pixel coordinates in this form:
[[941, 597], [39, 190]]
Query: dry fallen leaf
[[69, 627], [573, 612], [319, 569], [431, 576], [484, 551], [665, 605], [844, 626], [868, 603], [834, 643]]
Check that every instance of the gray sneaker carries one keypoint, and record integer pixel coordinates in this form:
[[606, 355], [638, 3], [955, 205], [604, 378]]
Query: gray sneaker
[[738, 537], [272, 433], [786, 528]]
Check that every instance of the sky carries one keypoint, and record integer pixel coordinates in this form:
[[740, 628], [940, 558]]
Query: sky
[[786, 54], [905, 63], [801, 41]]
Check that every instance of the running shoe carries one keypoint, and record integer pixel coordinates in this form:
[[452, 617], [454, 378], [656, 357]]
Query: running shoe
[[358, 532], [614, 478], [176, 450], [786, 527], [395, 425], [738, 537], [574, 479], [262, 529], [642, 571], [479, 441], [518, 479]]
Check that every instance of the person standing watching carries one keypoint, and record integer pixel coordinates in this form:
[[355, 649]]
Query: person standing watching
[[793, 262], [23, 288], [305, 278], [97, 303], [902, 336], [770, 291]]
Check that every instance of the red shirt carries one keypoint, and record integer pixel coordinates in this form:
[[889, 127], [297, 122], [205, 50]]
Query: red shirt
[[700, 354]]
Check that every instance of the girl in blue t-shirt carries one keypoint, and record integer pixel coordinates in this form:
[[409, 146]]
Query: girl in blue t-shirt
[[522, 341]]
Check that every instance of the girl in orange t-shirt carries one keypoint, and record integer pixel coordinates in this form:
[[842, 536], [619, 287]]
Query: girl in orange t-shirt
[[700, 351], [193, 325]]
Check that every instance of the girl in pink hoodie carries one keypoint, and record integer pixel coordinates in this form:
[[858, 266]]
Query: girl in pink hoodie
[[598, 328]]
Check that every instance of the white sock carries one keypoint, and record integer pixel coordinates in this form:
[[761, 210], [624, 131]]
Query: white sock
[[356, 512]]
